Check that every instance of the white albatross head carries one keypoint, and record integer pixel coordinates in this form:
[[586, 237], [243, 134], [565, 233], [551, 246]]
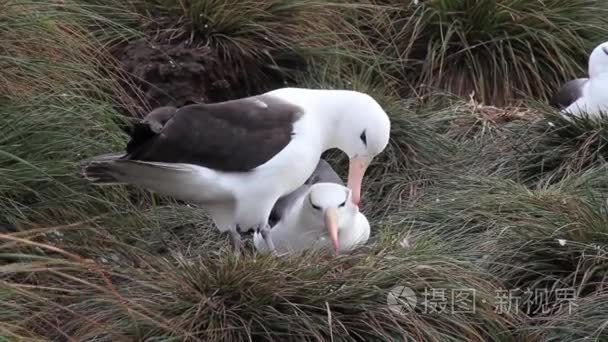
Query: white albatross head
[[598, 61], [363, 132], [329, 205]]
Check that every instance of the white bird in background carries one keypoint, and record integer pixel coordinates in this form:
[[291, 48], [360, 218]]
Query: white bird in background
[[587, 95], [237, 158], [324, 216]]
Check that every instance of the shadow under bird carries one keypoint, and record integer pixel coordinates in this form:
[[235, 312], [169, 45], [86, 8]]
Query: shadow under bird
[[237, 158], [322, 216], [586, 95]]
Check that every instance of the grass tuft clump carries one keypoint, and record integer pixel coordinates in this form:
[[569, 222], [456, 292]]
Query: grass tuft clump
[[582, 320], [231, 49], [214, 296], [570, 144], [548, 148], [467, 196], [497, 50], [552, 237], [59, 100]]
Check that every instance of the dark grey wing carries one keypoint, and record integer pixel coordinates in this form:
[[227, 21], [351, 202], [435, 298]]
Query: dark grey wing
[[236, 135], [568, 93], [284, 203], [323, 173]]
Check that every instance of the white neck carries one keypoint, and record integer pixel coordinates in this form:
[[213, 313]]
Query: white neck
[[328, 107], [596, 93]]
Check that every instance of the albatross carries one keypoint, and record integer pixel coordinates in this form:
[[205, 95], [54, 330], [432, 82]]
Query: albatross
[[324, 216], [586, 95], [236, 158]]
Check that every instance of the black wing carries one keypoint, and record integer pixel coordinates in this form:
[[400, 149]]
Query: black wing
[[568, 93], [236, 135]]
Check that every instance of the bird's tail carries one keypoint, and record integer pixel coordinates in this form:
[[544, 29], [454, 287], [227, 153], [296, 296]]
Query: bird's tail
[[181, 181], [100, 170]]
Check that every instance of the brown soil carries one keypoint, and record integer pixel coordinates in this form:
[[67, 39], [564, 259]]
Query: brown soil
[[176, 72]]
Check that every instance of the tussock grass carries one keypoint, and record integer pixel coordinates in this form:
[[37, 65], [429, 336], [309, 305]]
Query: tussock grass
[[543, 147], [467, 195], [258, 28], [59, 100], [498, 50], [214, 296], [230, 49], [568, 145], [584, 320], [548, 238], [54, 48]]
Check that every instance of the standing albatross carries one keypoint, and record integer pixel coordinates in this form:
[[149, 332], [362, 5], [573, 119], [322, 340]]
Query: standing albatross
[[237, 158], [586, 95], [323, 216]]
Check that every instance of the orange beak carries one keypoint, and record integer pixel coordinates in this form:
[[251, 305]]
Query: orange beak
[[356, 171], [331, 223]]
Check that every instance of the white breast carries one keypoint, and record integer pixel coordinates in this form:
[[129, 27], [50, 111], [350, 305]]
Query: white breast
[[594, 99], [291, 236], [357, 235]]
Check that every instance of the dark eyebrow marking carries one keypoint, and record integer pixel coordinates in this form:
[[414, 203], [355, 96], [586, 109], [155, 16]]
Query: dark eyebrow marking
[[312, 204]]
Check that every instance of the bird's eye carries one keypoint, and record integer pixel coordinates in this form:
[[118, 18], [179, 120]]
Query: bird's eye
[[342, 204], [316, 207], [605, 49], [363, 138]]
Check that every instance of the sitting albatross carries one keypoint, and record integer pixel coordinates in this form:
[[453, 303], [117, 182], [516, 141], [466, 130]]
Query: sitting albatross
[[237, 158], [324, 173], [323, 216], [587, 95]]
